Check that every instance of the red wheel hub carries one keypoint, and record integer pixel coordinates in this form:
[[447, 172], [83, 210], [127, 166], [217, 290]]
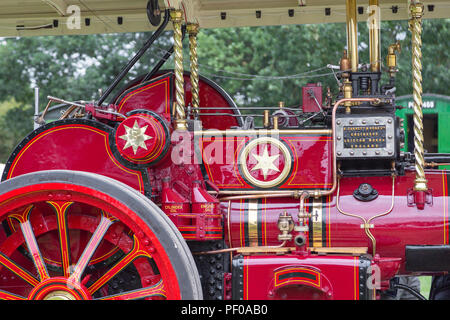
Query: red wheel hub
[[140, 138], [59, 288]]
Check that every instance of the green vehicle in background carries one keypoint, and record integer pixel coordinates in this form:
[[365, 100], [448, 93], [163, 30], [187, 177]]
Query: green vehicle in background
[[436, 123]]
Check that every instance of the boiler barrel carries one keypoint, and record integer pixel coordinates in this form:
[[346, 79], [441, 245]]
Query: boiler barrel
[[339, 220]]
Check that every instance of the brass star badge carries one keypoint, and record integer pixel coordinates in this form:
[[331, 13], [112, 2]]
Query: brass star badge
[[265, 163], [280, 162], [135, 137]]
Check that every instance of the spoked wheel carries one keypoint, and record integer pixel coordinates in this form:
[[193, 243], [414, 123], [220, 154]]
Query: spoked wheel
[[80, 236]]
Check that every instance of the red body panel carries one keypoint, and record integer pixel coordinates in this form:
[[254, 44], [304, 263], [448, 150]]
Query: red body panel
[[301, 277], [156, 95], [80, 147], [404, 225], [312, 97], [310, 154]]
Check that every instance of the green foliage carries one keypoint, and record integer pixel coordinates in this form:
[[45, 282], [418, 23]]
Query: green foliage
[[14, 125], [294, 49], [76, 67], [69, 67]]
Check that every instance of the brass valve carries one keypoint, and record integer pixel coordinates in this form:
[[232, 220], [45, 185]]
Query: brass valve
[[285, 225], [391, 59], [348, 93]]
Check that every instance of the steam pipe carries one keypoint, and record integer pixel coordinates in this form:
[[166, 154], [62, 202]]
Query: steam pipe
[[352, 34], [374, 35]]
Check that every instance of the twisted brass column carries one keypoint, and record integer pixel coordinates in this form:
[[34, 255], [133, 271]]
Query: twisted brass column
[[192, 29], [420, 183], [180, 114]]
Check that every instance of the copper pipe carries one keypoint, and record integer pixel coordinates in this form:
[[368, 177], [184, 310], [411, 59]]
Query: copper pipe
[[366, 222], [435, 164], [374, 35], [352, 34]]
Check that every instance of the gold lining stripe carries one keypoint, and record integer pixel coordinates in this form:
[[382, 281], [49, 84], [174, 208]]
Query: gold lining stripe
[[262, 132], [317, 222], [253, 223]]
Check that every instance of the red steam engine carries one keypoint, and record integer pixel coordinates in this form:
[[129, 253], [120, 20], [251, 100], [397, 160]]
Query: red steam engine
[[170, 191]]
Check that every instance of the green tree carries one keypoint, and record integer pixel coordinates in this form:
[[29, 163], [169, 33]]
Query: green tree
[[69, 67], [247, 62], [295, 49]]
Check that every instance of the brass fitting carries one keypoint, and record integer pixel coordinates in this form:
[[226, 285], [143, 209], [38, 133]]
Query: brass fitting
[[285, 225], [275, 123], [266, 122], [391, 58], [348, 92]]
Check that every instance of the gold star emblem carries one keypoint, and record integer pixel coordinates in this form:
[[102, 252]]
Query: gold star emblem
[[265, 163], [135, 137]]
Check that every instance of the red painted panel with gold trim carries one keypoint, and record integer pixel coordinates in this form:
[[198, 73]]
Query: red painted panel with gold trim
[[292, 277], [80, 145], [157, 95], [246, 162]]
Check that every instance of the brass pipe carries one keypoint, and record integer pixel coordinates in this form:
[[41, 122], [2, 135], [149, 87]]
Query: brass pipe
[[434, 164], [352, 34], [416, 7], [192, 29], [266, 121], [180, 113], [374, 36], [275, 123]]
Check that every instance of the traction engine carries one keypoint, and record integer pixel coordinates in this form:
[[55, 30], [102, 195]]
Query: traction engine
[[170, 191]]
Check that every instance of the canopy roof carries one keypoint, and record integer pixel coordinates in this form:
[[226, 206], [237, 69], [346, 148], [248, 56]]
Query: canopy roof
[[58, 17]]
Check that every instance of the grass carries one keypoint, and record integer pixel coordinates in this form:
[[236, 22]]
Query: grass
[[425, 285]]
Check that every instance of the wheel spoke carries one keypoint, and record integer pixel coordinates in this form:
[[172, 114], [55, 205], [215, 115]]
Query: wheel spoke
[[156, 290], [38, 260], [63, 233], [10, 296], [30, 240], [105, 222], [119, 266], [22, 273]]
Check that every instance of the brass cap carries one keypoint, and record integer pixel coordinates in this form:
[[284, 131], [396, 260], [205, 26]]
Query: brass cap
[[416, 9], [192, 28], [176, 15]]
